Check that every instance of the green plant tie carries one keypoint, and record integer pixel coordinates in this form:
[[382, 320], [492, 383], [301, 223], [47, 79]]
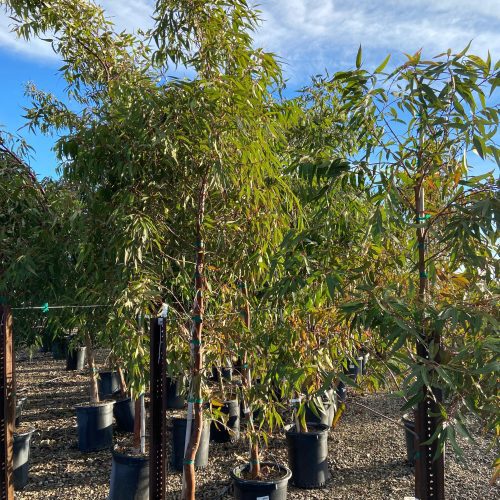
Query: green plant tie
[[425, 217], [197, 274], [245, 365], [254, 462], [188, 461], [421, 244], [199, 244], [423, 274], [45, 307], [196, 342], [197, 319], [195, 400]]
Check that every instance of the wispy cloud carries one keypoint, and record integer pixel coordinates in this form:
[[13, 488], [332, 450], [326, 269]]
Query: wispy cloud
[[128, 15], [311, 35]]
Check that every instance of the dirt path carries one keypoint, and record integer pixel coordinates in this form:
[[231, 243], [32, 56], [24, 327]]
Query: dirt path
[[366, 452]]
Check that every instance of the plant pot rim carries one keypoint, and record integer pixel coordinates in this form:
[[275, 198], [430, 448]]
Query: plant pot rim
[[239, 468], [407, 419], [317, 426], [126, 456], [89, 406], [24, 433], [121, 399]]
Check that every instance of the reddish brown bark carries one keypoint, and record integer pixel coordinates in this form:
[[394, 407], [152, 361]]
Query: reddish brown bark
[[189, 486], [8, 408]]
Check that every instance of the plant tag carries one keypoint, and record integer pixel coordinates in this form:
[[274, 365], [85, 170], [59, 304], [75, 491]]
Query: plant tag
[[263, 498]]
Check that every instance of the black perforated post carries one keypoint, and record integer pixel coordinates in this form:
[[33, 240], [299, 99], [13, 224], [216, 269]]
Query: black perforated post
[[158, 410], [6, 404], [429, 471]]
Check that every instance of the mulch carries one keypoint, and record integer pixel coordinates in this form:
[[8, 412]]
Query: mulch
[[367, 454]]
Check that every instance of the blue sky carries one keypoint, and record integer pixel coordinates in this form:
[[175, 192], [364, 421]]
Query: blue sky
[[309, 36]]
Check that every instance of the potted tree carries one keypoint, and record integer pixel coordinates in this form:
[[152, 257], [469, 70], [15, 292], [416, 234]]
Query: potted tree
[[94, 418]]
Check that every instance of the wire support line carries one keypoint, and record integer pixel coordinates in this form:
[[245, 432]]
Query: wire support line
[[77, 306]]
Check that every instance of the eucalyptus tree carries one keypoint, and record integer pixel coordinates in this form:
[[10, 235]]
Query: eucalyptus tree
[[156, 159], [424, 124], [33, 218], [24, 207], [310, 276], [108, 148], [232, 134]]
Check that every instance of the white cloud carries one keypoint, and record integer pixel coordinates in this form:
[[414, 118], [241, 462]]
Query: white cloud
[[311, 35], [128, 15], [37, 49]]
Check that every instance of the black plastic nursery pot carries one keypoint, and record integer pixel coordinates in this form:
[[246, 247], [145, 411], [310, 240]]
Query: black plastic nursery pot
[[250, 489], [95, 426], [124, 412], [355, 367], [129, 477], [175, 401], [225, 371], [410, 439], [341, 392], [75, 360], [108, 384], [19, 409], [324, 415], [307, 455], [60, 348], [179, 439], [21, 448], [221, 433]]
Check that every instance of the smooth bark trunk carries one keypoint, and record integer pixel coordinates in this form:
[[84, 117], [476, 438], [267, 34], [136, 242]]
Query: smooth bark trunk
[[94, 391]]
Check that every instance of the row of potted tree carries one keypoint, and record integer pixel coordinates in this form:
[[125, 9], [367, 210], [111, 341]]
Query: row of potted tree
[[289, 233]]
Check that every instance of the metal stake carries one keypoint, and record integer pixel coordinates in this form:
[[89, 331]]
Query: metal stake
[[158, 410]]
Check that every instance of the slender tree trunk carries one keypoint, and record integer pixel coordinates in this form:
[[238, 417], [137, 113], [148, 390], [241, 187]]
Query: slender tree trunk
[[123, 384], [247, 383], [94, 391], [189, 483], [137, 424]]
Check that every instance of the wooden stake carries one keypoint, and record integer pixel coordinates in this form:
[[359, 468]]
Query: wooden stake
[[7, 413]]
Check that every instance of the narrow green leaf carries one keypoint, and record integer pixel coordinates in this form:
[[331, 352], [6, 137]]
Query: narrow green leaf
[[358, 58], [383, 65]]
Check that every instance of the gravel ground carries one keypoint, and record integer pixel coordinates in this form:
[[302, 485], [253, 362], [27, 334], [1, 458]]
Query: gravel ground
[[367, 456]]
